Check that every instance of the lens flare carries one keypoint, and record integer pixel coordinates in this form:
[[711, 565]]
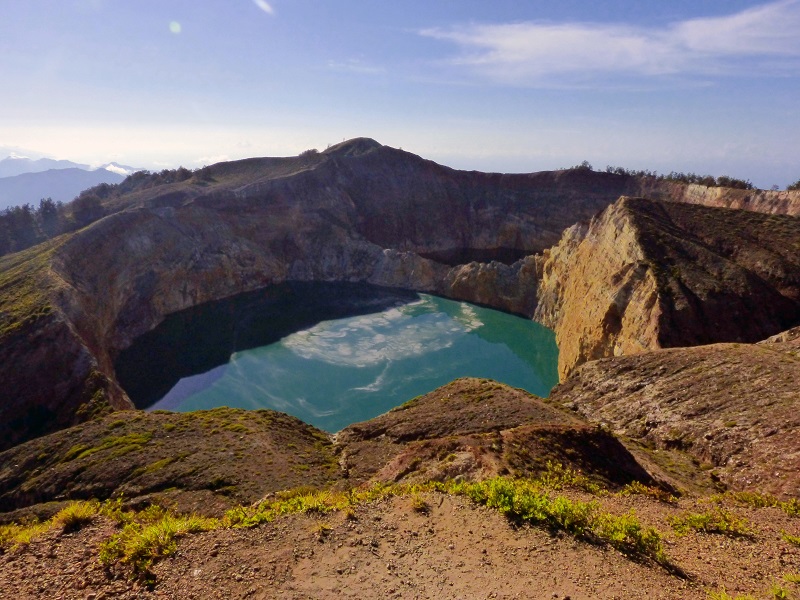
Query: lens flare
[[263, 5]]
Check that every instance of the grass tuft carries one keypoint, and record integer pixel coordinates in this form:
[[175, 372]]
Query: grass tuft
[[418, 504], [791, 507], [637, 488], [142, 542], [76, 514], [525, 501]]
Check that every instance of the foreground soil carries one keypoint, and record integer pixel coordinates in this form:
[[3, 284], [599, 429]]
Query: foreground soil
[[389, 549]]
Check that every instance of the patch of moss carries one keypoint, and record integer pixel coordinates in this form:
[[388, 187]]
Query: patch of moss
[[121, 445], [154, 466], [74, 452], [24, 287], [237, 428]]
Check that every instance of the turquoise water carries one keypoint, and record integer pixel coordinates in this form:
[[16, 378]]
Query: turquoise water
[[345, 370]]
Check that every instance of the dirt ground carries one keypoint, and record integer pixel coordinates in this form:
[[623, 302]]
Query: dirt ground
[[390, 550]]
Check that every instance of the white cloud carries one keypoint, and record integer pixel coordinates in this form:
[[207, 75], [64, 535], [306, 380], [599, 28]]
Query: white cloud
[[265, 6], [532, 53], [117, 169]]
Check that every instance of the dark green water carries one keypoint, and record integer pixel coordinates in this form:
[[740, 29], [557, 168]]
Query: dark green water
[[331, 354]]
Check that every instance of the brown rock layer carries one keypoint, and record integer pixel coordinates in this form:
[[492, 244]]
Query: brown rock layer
[[646, 275], [763, 201]]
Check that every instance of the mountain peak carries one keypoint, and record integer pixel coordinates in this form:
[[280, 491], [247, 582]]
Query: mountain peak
[[354, 147]]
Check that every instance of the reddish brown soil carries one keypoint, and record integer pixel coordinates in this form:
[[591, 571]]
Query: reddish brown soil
[[456, 550]]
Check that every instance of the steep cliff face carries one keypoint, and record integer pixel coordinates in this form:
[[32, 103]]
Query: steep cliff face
[[598, 292], [646, 275]]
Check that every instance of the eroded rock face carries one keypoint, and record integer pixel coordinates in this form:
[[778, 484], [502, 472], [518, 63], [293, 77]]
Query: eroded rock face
[[734, 407], [645, 275], [763, 201]]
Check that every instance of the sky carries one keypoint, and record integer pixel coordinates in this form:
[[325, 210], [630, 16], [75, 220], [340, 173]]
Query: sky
[[705, 86]]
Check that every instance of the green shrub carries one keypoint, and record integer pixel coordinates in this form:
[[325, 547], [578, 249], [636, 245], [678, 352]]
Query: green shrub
[[718, 520], [638, 488], [523, 500]]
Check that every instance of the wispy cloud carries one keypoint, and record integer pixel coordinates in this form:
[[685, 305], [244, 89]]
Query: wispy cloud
[[355, 65], [265, 6], [762, 39]]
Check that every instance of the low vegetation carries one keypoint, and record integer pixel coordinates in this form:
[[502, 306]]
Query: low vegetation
[[756, 500], [24, 285], [717, 520], [145, 536]]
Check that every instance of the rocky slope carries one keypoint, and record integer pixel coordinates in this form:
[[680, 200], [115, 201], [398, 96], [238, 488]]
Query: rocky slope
[[763, 201], [364, 212], [209, 460], [646, 275], [357, 212], [407, 542], [733, 407], [389, 549]]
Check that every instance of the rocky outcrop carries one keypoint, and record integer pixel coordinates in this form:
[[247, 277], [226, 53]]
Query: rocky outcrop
[[734, 407], [763, 201], [478, 428], [194, 459], [645, 275]]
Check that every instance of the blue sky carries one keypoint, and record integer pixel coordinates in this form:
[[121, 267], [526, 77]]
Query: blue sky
[[706, 86]]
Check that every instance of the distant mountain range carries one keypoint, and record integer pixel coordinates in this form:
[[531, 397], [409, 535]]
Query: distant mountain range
[[62, 185], [26, 180]]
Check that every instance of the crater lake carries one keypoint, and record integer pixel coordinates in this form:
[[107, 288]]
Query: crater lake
[[330, 354]]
